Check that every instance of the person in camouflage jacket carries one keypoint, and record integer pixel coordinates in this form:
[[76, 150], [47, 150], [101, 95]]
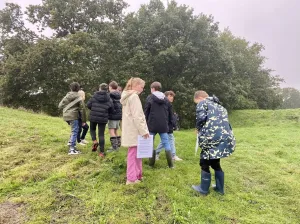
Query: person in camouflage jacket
[[215, 137]]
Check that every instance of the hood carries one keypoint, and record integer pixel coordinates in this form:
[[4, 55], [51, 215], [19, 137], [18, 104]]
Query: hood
[[72, 96], [102, 96], [125, 95], [115, 95], [214, 99], [158, 97]]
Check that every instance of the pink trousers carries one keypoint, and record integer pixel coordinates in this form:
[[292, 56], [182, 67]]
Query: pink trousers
[[134, 165]]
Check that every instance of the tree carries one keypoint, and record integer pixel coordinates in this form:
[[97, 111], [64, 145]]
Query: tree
[[291, 98]]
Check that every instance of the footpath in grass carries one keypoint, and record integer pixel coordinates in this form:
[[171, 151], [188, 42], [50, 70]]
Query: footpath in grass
[[40, 183]]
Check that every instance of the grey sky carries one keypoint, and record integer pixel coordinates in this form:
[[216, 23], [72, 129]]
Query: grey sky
[[274, 23]]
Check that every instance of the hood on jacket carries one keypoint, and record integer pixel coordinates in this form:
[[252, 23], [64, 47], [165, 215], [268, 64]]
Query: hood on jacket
[[72, 96], [115, 95], [125, 95], [102, 96], [214, 99], [159, 97]]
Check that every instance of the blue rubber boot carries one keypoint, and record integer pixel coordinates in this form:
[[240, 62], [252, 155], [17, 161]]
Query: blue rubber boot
[[219, 176], [203, 188]]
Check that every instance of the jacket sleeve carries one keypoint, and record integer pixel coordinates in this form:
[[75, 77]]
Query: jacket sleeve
[[63, 103], [171, 117], [83, 111], [201, 115], [111, 109], [89, 104], [138, 115], [147, 108]]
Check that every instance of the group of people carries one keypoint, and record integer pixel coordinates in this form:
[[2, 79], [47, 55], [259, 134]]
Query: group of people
[[109, 105]]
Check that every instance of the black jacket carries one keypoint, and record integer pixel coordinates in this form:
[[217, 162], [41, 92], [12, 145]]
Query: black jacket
[[117, 115], [101, 106], [158, 113]]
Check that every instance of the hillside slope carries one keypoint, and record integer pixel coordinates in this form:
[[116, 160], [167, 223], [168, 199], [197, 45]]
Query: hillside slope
[[42, 184]]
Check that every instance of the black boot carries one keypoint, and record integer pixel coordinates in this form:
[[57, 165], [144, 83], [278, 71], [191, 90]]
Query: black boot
[[114, 144], [169, 158], [203, 188], [152, 159], [219, 176], [119, 141]]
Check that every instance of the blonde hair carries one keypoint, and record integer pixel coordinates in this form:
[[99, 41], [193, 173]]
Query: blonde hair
[[200, 93], [81, 94], [133, 82]]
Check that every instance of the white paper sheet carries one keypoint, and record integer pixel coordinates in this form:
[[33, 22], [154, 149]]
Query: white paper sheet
[[145, 147]]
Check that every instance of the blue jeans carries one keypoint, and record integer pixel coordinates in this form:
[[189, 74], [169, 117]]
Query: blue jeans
[[172, 145], [74, 132], [164, 139]]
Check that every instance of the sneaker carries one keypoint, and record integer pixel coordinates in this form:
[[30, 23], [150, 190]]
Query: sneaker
[[69, 144], [81, 143], [132, 182], [73, 152], [112, 150], [95, 146], [176, 158], [101, 154], [76, 150], [84, 141], [157, 157]]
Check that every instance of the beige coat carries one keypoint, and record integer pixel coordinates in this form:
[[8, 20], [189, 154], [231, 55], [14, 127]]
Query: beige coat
[[133, 118]]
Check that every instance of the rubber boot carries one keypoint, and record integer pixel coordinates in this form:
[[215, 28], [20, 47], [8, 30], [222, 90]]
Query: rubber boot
[[219, 176], [169, 158], [119, 141], [203, 188], [114, 144], [152, 159]]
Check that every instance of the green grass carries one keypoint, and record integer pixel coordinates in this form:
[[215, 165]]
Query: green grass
[[262, 178]]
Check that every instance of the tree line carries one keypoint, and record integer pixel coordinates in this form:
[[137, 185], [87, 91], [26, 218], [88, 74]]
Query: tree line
[[97, 41]]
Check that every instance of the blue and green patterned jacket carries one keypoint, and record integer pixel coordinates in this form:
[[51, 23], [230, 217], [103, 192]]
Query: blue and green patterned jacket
[[215, 135]]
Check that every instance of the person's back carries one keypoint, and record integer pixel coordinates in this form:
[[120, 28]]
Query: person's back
[[101, 106], [158, 115]]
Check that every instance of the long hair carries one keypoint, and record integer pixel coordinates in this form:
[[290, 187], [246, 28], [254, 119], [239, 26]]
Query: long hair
[[133, 82]]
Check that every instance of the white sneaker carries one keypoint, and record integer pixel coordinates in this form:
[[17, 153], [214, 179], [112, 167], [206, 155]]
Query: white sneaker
[[73, 152], [69, 144], [176, 158], [134, 182], [84, 141], [81, 143], [157, 157]]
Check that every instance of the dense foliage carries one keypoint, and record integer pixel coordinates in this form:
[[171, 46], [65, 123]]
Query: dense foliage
[[95, 41]]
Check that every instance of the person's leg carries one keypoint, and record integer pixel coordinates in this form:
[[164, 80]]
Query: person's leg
[[131, 165], [159, 148], [152, 159], [85, 130], [101, 130], [79, 130], [219, 175], [138, 166], [74, 132], [116, 132], [165, 141], [203, 188], [93, 135], [173, 147]]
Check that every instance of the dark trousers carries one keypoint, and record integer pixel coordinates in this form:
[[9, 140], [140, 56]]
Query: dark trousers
[[82, 130], [214, 163], [101, 129]]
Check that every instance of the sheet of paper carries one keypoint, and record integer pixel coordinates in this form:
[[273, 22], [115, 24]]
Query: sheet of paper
[[145, 147]]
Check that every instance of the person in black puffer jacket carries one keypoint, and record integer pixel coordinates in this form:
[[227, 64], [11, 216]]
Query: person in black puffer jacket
[[158, 113], [101, 106], [116, 117]]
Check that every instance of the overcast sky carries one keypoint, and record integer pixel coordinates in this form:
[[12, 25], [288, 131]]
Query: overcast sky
[[273, 23]]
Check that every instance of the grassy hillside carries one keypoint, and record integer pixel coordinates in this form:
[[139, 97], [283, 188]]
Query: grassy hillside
[[40, 183]]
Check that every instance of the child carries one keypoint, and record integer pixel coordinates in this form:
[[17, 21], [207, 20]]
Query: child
[[134, 124], [83, 127], [72, 106], [172, 125], [158, 114], [114, 118], [101, 106], [215, 139]]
